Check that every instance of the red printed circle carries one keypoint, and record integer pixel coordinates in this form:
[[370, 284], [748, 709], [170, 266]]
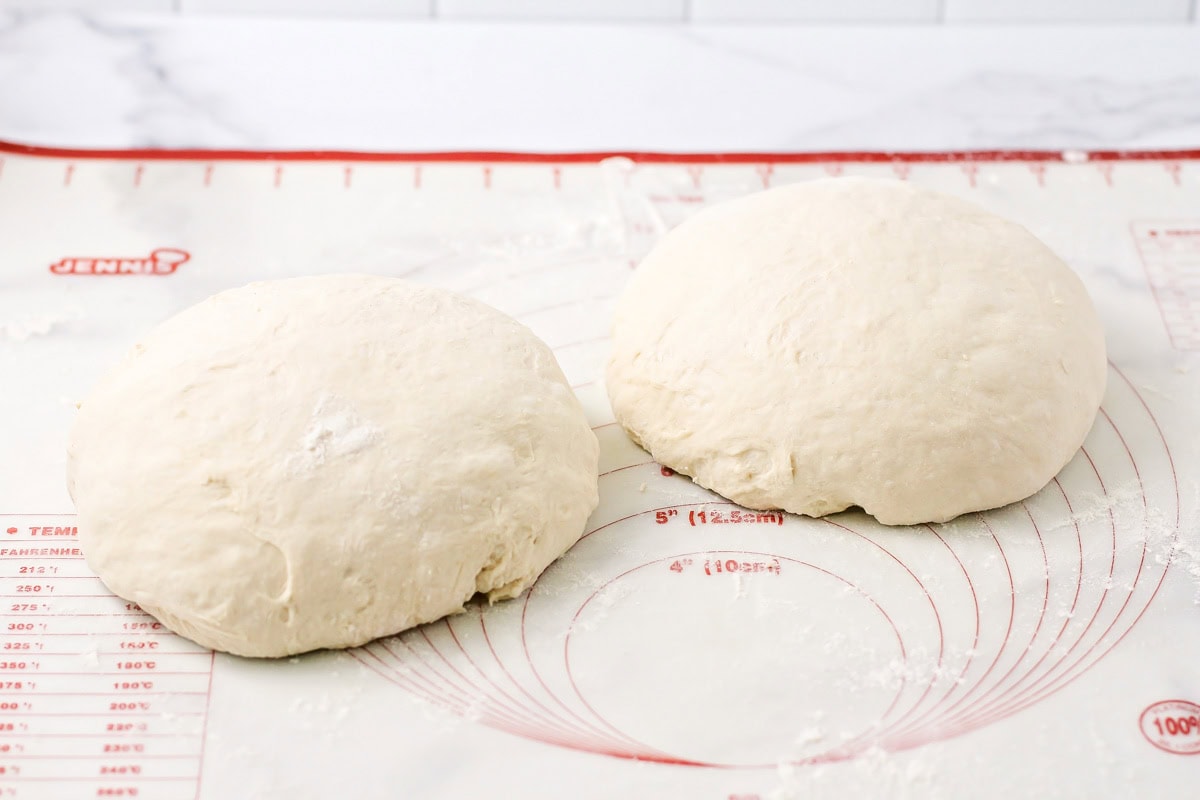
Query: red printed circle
[[1173, 726]]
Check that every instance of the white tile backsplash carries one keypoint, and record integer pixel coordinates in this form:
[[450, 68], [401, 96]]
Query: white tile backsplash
[[701, 11], [88, 5], [1068, 10], [815, 10], [310, 8], [646, 10]]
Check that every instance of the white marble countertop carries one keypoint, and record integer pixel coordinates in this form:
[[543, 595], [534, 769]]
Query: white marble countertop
[[136, 81]]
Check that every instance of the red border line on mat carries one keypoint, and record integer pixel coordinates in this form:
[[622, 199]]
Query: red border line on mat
[[591, 157]]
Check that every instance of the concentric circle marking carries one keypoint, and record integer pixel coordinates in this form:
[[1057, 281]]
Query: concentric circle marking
[[865, 636], [628, 647]]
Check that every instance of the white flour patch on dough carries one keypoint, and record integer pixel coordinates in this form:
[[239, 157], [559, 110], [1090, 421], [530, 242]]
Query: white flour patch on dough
[[335, 430]]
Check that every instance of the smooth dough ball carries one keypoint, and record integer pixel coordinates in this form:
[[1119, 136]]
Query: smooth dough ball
[[854, 342], [318, 462]]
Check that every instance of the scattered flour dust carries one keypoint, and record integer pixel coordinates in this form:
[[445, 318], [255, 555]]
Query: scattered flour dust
[[22, 329], [335, 430], [1170, 543], [1182, 552], [1120, 502], [602, 603], [896, 778], [1187, 556]]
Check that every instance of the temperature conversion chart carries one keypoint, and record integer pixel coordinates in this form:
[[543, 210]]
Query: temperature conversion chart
[[98, 698], [685, 647]]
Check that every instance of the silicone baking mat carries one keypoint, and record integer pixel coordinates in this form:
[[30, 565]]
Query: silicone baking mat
[[685, 648]]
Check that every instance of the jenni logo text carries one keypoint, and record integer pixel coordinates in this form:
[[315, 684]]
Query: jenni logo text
[[162, 261]]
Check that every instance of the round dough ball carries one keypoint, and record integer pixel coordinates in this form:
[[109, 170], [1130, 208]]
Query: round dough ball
[[854, 342], [318, 462]]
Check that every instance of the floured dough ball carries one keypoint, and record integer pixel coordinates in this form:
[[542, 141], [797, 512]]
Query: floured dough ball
[[318, 462], [857, 342]]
